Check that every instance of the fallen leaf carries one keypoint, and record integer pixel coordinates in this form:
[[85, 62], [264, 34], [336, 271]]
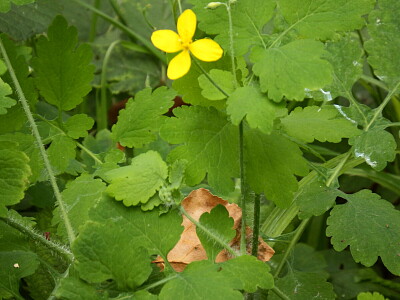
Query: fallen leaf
[[189, 248]]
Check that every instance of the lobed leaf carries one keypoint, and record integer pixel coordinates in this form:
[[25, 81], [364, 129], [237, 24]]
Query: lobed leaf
[[77, 126], [142, 117], [138, 182], [209, 144], [61, 152], [63, 70], [370, 226], [224, 79], [324, 124], [5, 100]]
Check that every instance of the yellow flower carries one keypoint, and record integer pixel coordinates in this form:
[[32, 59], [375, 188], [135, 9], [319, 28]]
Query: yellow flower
[[171, 42]]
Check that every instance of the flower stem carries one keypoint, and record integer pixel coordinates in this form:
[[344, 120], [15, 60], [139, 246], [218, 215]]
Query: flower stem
[[35, 132], [209, 78]]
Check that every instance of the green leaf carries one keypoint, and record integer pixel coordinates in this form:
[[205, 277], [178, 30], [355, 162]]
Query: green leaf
[[202, 280], [320, 19], [370, 296], [23, 22], [63, 70], [15, 265], [210, 145], [157, 234], [104, 250], [345, 57], [221, 225], [5, 101], [376, 146], [224, 79], [382, 48], [72, 288], [250, 271], [259, 111], [142, 117], [271, 162], [324, 124], [5, 5], [78, 201], [61, 152], [315, 199], [304, 286], [248, 20], [289, 71], [78, 125], [370, 226], [14, 174], [136, 183]]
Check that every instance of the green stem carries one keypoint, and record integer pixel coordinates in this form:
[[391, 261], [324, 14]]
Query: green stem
[[279, 293], [101, 108], [59, 249], [210, 234], [158, 283], [293, 242], [35, 131], [374, 81], [232, 48], [179, 6], [256, 225], [243, 189], [125, 29], [93, 24], [380, 108], [338, 168], [117, 11]]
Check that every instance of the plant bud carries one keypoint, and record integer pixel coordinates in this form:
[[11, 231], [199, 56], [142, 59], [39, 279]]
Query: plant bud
[[214, 5]]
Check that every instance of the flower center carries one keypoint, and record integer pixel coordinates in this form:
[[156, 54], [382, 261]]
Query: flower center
[[185, 44]]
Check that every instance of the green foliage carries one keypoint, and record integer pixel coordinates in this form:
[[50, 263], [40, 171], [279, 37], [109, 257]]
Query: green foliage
[[78, 125], [303, 58], [61, 151], [320, 123], [370, 226], [138, 182], [6, 4], [63, 70], [5, 101], [221, 224], [370, 296], [139, 122], [223, 79], [14, 174]]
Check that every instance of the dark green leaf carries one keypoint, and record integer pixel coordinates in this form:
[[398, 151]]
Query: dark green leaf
[[5, 5]]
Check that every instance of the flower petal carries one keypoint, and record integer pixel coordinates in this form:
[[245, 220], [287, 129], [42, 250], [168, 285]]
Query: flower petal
[[206, 50], [179, 65], [166, 40], [187, 25]]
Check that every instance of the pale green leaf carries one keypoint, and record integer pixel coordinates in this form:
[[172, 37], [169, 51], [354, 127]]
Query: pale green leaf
[[320, 19], [304, 286], [315, 199], [260, 112], [383, 47], [14, 174], [291, 70], [78, 125], [5, 101], [370, 226], [139, 181], [271, 163], [376, 146], [23, 22], [370, 296], [63, 70], [221, 225], [210, 145], [248, 20], [223, 79], [5, 5], [250, 271], [78, 202], [157, 234], [61, 152], [318, 123], [15, 265], [140, 121], [106, 250]]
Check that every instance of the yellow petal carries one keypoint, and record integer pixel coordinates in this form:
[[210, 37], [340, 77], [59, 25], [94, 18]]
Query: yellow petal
[[179, 65], [166, 40], [206, 50], [187, 26]]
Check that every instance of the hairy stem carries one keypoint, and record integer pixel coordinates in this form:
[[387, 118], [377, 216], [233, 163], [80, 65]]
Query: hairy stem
[[256, 225], [279, 293], [39, 142], [29, 232], [208, 232]]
